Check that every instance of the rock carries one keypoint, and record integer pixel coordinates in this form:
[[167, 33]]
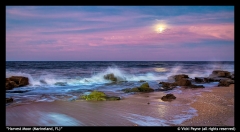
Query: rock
[[145, 88], [128, 90], [196, 86], [180, 77], [135, 89], [142, 81], [225, 82], [10, 84], [216, 79], [9, 100], [168, 97], [220, 73], [19, 80], [110, 77], [183, 82], [144, 85], [95, 95], [16, 81], [61, 83], [168, 85], [99, 96], [199, 79]]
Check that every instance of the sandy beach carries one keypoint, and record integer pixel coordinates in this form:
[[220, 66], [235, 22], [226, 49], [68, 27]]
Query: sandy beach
[[214, 108], [211, 107]]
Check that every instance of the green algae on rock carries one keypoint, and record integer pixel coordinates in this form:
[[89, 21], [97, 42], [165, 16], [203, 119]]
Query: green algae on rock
[[99, 96]]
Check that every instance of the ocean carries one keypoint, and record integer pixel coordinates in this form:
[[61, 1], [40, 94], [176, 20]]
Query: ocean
[[67, 80], [52, 80]]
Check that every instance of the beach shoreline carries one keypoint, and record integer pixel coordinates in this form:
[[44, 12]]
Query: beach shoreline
[[212, 106]]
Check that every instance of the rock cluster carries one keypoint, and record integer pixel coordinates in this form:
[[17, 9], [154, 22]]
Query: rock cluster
[[14, 82], [224, 78]]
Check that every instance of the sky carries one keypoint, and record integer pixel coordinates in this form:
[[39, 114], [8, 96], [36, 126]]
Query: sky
[[119, 33]]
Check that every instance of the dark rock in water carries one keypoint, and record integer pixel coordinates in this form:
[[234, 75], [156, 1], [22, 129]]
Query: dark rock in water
[[9, 100], [142, 81], [61, 83], [220, 73], [127, 90], [19, 80], [16, 81], [43, 82], [10, 84], [168, 85], [110, 77], [180, 77], [179, 80], [225, 82], [168, 97], [201, 79], [196, 86], [143, 88], [183, 82], [216, 79]]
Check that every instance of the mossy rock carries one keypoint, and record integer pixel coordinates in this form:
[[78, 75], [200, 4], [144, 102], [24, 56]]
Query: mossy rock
[[136, 89], [128, 90], [145, 88], [95, 95], [144, 85], [110, 77], [99, 96]]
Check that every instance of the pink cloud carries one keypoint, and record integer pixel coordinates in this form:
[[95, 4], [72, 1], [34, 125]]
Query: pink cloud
[[131, 36]]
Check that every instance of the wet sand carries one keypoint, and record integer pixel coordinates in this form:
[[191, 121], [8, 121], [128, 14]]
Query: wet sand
[[212, 107]]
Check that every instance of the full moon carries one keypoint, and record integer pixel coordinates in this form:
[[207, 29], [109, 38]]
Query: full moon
[[160, 29]]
